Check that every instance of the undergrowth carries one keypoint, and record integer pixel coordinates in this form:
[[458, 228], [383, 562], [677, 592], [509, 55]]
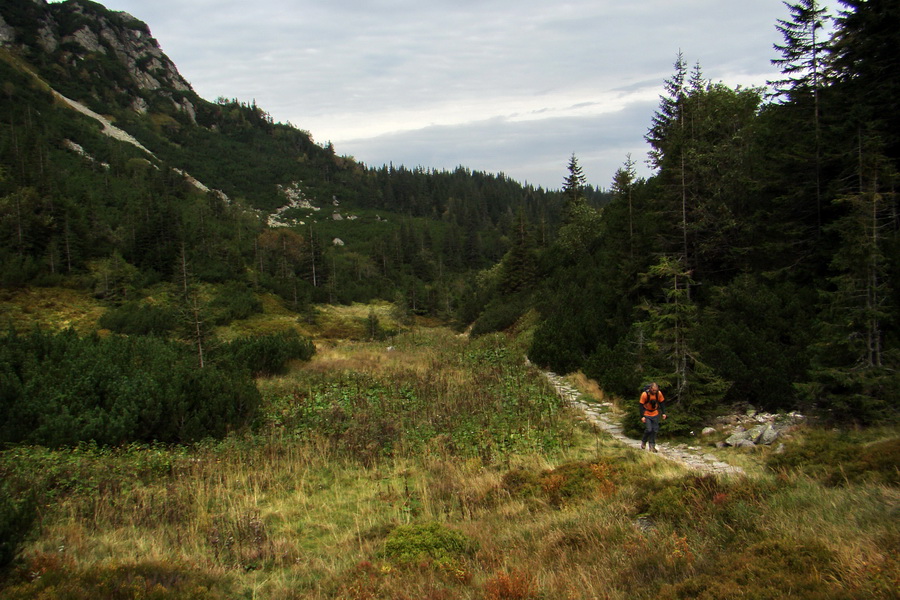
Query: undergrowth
[[443, 468]]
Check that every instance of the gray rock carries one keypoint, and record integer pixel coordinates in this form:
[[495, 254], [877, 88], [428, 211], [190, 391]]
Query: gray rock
[[745, 444], [769, 435], [708, 431], [756, 433], [736, 437], [7, 33]]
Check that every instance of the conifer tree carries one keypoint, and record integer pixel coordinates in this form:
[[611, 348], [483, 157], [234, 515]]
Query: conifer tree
[[865, 66], [519, 264], [803, 59], [623, 187], [670, 324], [573, 188], [854, 367]]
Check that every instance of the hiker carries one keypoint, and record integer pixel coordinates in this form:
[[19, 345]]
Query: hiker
[[652, 406]]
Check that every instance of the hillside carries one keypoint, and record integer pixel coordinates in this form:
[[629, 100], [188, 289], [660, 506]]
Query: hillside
[[107, 152]]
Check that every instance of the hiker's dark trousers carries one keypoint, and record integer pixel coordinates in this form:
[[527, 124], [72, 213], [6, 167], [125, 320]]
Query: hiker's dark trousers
[[651, 428]]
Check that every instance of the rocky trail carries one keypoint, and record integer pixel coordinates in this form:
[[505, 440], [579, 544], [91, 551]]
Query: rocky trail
[[604, 417]]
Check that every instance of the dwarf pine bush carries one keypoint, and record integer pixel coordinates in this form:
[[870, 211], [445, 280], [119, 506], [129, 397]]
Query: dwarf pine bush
[[59, 389], [268, 354]]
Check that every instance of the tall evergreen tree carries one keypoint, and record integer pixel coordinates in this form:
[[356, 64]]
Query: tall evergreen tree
[[573, 188], [670, 324], [623, 188], [855, 368], [803, 59], [866, 65]]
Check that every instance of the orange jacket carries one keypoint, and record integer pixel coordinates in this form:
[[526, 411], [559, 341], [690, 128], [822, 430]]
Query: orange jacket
[[645, 409]]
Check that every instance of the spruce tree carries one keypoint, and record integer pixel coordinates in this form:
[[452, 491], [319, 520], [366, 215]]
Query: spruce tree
[[855, 367], [670, 325], [803, 59]]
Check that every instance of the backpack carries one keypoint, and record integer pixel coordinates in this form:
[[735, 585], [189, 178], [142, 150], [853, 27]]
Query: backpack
[[651, 403]]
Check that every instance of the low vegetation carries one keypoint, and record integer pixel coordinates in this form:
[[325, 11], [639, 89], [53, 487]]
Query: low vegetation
[[438, 466]]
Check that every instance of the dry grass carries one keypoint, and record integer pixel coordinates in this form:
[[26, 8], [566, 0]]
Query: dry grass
[[275, 517], [49, 308], [588, 387]]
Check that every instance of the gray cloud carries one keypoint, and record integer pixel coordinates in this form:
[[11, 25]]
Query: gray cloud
[[534, 151], [503, 85]]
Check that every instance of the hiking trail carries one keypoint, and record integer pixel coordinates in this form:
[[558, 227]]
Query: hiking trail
[[602, 416]]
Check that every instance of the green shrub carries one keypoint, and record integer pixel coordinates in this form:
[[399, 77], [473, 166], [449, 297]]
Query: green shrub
[[706, 503], [615, 369], [521, 482], [574, 481], [564, 484], [134, 318], [768, 570], [410, 543], [500, 314], [60, 389], [268, 354], [233, 302]]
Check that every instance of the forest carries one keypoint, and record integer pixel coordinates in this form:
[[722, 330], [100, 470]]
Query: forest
[[756, 266]]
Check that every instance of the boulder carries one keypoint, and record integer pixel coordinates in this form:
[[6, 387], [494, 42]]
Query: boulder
[[708, 431], [737, 437], [769, 435], [745, 444], [756, 433]]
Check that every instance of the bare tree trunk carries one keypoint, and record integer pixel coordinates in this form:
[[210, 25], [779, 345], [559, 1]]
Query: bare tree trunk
[[198, 329]]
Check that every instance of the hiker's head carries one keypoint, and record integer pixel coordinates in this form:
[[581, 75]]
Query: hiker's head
[[654, 387]]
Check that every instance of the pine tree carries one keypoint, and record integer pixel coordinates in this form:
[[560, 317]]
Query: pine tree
[[519, 265], [854, 370], [803, 59], [573, 188], [866, 68], [623, 188], [670, 324], [669, 117], [804, 52]]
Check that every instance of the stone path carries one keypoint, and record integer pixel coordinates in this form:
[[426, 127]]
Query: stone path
[[603, 416]]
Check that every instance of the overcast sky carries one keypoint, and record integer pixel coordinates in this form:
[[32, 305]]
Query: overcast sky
[[513, 86]]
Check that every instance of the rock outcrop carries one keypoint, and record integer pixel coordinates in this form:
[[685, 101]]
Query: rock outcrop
[[82, 37], [754, 429]]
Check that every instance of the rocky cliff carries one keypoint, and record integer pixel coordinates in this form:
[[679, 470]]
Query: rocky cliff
[[107, 58]]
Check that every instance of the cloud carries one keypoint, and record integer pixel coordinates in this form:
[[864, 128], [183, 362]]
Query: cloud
[[527, 79], [536, 151]]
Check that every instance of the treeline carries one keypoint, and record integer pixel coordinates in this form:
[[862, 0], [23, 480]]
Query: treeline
[[759, 264]]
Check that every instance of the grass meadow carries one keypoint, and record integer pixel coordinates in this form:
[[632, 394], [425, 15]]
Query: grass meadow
[[432, 466]]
